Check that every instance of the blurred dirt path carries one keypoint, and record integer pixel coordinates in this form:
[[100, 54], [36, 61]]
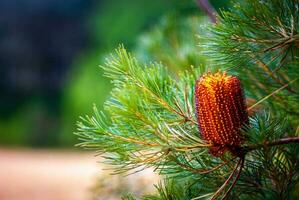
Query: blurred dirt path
[[62, 175]]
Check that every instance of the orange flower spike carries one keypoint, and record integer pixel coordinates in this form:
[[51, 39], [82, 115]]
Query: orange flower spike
[[221, 111]]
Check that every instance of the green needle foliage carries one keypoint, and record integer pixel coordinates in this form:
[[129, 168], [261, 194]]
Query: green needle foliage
[[150, 117], [258, 41], [177, 35], [151, 114]]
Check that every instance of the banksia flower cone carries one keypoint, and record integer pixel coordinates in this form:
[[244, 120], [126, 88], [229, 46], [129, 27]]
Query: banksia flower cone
[[221, 112]]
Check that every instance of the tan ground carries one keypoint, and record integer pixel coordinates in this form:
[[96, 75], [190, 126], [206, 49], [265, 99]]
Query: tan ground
[[63, 175]]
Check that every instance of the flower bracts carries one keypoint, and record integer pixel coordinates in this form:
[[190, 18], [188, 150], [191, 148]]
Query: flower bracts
[[221, 112]]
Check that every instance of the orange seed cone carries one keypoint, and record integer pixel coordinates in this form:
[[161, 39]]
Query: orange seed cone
[[221, 111]]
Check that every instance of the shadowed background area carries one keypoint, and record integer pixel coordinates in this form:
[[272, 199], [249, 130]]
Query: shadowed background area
[[50, 51]]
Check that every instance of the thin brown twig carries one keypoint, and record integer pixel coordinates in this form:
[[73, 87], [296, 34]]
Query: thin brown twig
[[281, 141], [131, 140], [217, 193], [269, 72], [166, 105], [274, 92], [160, 100], [282, 60], [234, 182], [208, 9], [182, 114]]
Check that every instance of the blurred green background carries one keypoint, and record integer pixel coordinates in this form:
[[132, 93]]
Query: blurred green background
[[50, 52]]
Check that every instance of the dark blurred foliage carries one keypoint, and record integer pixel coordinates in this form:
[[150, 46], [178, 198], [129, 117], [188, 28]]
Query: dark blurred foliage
[[38, 41], [49, 56]]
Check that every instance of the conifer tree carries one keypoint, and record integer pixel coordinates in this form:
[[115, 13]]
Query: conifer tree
[[224, 125]]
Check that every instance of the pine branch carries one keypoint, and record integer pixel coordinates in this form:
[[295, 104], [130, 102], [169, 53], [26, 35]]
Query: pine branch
[[144, 129], [265, 144], [152, 129], [152, 123], [258, 41]]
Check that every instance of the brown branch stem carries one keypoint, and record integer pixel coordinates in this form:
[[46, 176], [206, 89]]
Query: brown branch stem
[[281, 141], [217, 193], [235, 180], [207, 8]]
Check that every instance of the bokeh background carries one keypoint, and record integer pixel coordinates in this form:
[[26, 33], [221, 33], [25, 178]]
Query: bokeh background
[[50, 52]]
